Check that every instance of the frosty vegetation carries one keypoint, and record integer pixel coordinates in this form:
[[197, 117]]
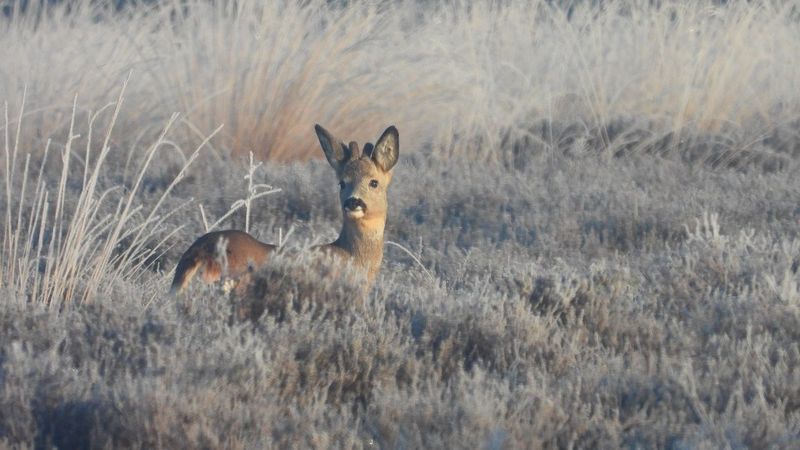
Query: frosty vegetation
[[594, 225]]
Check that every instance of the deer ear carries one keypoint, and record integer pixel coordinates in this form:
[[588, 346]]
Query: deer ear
[[335, 151], [387, 149]]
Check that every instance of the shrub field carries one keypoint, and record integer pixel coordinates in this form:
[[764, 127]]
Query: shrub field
[[593, 238]]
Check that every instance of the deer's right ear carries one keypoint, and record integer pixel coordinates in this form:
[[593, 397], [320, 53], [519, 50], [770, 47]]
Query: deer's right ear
[[336, 152], [387, 149]]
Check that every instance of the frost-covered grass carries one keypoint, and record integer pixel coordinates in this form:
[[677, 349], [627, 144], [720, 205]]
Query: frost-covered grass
[[610, 243]]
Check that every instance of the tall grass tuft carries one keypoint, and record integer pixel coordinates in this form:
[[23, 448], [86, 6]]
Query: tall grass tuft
[[80, 238]]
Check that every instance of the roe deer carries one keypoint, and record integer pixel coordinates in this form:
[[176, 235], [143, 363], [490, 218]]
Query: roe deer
[[363, 182]]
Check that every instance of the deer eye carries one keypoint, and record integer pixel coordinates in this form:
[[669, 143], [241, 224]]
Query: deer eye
[[373, 183], [341, 185]]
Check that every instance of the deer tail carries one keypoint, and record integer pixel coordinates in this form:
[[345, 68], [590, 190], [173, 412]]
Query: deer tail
[[187, 268]]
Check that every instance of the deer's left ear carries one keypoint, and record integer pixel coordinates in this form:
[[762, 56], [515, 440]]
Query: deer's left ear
[[387, 149], [335, 151]]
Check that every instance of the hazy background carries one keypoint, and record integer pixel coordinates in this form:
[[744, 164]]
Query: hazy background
[[439, 70], [593, 224]]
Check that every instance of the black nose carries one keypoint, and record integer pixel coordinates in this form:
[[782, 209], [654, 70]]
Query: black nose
[[354, 203]]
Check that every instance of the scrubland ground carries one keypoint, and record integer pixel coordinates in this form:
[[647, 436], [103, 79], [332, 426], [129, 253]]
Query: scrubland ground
[[594, 226]]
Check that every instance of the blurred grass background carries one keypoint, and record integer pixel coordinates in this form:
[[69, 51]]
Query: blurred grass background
[[487, 70]]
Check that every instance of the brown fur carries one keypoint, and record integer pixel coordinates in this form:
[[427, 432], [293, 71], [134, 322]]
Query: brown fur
[[242, 253], [360, 241]]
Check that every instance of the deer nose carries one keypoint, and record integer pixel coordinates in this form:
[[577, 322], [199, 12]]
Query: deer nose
[[354, 203]]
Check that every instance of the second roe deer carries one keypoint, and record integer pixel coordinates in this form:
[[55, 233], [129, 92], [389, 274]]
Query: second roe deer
[[363, 181]]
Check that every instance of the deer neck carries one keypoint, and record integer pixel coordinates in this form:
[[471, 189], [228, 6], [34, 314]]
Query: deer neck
[[363, 241]]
